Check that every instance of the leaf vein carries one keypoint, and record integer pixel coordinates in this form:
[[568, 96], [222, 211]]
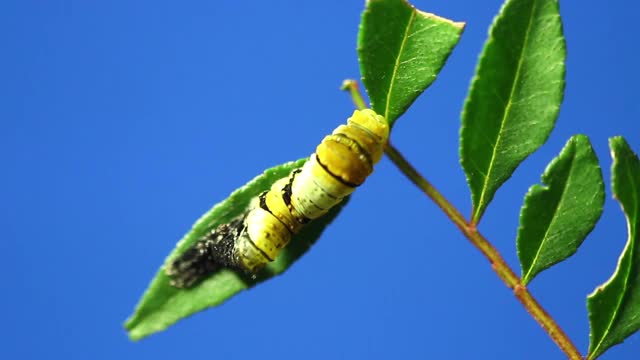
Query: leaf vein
[[397, 63]]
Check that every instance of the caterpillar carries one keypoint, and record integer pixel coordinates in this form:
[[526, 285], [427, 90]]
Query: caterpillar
[[341, 162]]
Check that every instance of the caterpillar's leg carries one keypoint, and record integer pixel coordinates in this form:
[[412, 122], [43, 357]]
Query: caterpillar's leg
[[209, 254]]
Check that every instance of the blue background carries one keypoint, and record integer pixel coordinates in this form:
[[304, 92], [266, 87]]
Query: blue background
[[123, 121]]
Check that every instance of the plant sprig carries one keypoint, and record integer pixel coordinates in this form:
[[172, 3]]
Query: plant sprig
[[511, 109]]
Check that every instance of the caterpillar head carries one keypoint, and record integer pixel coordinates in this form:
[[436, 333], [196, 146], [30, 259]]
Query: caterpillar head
[[375, 126]]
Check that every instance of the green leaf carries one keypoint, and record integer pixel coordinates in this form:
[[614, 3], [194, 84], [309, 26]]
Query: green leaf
[[401, 50], [556, 218], [514, 98], [162, 304], [614, 307]]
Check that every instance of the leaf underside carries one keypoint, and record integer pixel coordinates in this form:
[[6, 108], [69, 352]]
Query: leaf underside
[[556, 218], [401, 50], [162, 304], [515, 96], [614, 307]]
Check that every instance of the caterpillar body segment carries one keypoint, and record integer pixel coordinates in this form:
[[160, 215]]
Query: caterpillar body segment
[[274, 201], [341, 162], [315, 192]]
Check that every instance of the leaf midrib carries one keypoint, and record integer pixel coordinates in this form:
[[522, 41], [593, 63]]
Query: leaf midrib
[[505, 115], [397, 63]]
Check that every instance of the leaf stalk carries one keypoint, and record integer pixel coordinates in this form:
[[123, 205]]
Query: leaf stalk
[[352, 87]]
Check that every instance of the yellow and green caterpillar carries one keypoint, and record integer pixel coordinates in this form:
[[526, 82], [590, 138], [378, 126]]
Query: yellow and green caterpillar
[[341, 162]]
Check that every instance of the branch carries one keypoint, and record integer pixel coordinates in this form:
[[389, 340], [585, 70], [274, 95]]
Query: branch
[[502, 269]]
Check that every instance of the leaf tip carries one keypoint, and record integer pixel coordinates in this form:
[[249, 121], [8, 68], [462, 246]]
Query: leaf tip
[[129, 327], [616, 143], [135, 336]]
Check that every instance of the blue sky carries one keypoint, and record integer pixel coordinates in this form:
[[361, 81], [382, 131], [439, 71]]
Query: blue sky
[[122, 122]]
